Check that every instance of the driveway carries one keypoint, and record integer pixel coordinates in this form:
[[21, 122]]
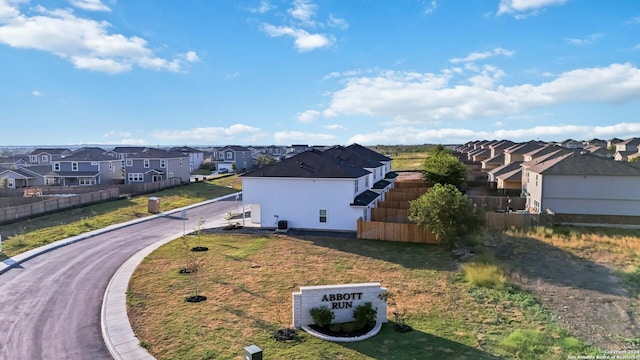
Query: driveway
[[50, 305]]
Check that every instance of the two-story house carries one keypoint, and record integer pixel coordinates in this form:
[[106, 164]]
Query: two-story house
[[312, 190], [46, 156], [234, 158], [85, 166], [581, 183], [196, 157], [153, 165]]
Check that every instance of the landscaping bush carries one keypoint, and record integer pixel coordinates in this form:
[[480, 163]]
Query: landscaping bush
[[365, 314], [322, 316], [484, 275]]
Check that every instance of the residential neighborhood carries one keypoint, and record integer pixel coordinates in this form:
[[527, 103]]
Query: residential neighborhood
[[595, 177]]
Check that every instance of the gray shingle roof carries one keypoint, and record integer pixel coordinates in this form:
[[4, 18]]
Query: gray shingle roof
[[576, 163], [310, 164]]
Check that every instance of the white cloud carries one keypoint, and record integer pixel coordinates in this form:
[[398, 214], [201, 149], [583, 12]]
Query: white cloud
[[308, 116], [431, 7], [425, 98], [212, 134], [132, 142], [414, 135], [304, 11], [90, 5], [337, 22], [37, 93], [86, 43], [523, 8], [475, 56], [120, 134], [232, 75], [584, 41], [264, 7], [304, 41], [334, 127], [292, 137]]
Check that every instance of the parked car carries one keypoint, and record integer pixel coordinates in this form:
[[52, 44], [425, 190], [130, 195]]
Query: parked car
[[223, 171]]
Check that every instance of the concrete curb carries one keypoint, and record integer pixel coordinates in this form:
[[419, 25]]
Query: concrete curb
[[30, 254]]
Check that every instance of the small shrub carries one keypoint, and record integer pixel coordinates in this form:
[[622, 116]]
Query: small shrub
[[484, 275], [365, 314], [335, 327], [352, 326], [526, 344], [322, 316]]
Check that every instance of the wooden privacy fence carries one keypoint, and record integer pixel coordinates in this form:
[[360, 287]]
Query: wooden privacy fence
[[502, 221], [393, 204], [405, 194], [409, 183], [498, 202], [55, 203], [390, 215], [400, 232]]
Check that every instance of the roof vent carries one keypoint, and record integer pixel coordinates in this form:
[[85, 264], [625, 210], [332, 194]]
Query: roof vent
[[583, 152]]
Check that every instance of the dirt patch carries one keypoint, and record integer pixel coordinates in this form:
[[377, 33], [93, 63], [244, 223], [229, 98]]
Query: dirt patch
[[587, 297]]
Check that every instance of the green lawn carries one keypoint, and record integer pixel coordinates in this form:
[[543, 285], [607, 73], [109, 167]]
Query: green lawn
[[248, 280]]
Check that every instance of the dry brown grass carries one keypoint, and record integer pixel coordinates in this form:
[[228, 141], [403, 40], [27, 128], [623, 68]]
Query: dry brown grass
[[619, 247]]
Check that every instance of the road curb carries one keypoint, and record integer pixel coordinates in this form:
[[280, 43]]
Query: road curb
[[15, 261]]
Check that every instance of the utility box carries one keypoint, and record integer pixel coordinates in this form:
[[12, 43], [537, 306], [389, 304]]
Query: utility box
[[154, 205], [283, 225], [252, 352]]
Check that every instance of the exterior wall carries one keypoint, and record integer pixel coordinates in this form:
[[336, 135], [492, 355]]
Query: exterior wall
[[299, 201], [351, 295], [602, 195], [174, 168], [502, 184]]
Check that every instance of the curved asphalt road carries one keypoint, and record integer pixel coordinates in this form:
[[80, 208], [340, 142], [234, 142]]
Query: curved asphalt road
[[50, 305]]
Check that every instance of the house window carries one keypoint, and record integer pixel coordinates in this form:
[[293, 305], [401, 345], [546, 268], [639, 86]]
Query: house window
[[146, 163], [129, 162], [163, 163], [56, 166], [110, 165], [87, 181], [323, 216], [366, 182], [135, 177], [45, 158], [33, 158], [74, 166], [229, 155], [356, 188], [536, 179], [180, 163]]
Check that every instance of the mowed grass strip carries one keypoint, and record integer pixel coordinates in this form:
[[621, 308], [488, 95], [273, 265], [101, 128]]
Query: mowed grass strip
[[248, 281], [29, 234]]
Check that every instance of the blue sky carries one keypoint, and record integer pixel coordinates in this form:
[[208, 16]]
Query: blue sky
[[204, 72]]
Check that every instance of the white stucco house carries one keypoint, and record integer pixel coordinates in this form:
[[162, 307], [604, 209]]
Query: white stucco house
[[581, 183], [314, 190]]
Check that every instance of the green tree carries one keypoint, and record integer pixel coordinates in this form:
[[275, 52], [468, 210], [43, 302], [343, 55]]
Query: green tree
[[441, 167], [447, 212], [263, 160]]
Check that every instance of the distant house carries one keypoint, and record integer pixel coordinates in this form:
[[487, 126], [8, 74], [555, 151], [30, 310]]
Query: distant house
[[316, 190], [46, 156], [516, 152], [13, 178], [580, 183], [234, 157], [14, 161], [85, 166], [196, 157], [122, 152], [153, 165]]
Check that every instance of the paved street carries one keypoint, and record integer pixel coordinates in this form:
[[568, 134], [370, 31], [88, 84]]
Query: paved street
[[50, 305]]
